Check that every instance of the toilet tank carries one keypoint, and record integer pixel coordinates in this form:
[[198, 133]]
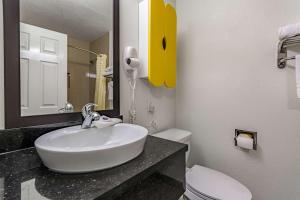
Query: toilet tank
[[176, 135]]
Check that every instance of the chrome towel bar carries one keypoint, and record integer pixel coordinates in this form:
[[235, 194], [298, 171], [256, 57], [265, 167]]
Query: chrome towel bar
[[282, 61], [282, 50]]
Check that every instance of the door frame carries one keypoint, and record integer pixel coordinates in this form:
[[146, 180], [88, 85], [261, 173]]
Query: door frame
[[12, 100]]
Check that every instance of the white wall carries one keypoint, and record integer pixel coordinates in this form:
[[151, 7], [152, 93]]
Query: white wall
[[228, 79], [163, 99], [1, 70], [173, 2]]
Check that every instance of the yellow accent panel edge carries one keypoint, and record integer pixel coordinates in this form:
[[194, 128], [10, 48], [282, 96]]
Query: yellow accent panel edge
[[162, 44], [170, 53]]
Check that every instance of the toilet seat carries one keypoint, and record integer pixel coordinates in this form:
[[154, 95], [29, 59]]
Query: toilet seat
[[207, 184]]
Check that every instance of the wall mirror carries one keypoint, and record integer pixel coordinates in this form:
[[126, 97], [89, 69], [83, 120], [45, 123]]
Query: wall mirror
[[59, 56]]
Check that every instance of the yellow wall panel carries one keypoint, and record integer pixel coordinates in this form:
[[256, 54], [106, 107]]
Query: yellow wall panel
[[162, 44]]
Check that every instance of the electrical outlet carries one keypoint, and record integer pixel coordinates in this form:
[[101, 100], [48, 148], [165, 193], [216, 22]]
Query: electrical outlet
[[151, 108], [152, 127]]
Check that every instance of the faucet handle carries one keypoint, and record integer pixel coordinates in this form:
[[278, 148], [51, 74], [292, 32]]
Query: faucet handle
[[87, 109], [95, 116]]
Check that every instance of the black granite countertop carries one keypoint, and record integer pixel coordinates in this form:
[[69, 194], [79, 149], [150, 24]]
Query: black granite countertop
[[22, 175]]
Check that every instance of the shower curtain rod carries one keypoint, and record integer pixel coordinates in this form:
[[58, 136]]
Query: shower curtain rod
[[82, 49]]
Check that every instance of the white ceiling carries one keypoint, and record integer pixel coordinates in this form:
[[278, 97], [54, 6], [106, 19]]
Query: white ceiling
[[82, 19]]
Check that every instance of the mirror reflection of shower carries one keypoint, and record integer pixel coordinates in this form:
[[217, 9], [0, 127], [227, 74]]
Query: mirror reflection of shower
[[90, 79]]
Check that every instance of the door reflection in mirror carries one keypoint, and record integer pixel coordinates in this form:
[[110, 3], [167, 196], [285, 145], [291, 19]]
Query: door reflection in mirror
[[1, 188], [29, 192]]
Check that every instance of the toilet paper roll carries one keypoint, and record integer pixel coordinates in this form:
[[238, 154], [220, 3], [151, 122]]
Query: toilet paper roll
[[245, 141]]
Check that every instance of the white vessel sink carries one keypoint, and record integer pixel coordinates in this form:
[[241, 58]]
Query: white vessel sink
[[76, 150]]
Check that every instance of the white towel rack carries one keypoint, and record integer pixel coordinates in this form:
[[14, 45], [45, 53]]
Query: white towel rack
[[282, 49]]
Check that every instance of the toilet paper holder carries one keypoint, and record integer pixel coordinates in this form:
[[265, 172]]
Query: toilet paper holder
[[250, 133]]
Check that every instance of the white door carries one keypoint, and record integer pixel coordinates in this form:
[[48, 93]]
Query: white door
[[43, 63]]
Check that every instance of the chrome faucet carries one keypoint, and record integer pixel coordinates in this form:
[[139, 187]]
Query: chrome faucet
[[89, 115]]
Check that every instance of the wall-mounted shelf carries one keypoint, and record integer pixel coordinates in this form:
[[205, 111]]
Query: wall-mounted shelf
[[282, 49]]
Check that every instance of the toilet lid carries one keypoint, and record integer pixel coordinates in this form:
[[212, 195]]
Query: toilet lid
[[215, 185], [174, 134]]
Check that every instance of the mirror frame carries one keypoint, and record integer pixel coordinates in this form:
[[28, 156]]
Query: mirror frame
[[13, 118]]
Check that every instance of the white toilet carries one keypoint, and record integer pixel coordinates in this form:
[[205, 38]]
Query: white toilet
[[203, 183]]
